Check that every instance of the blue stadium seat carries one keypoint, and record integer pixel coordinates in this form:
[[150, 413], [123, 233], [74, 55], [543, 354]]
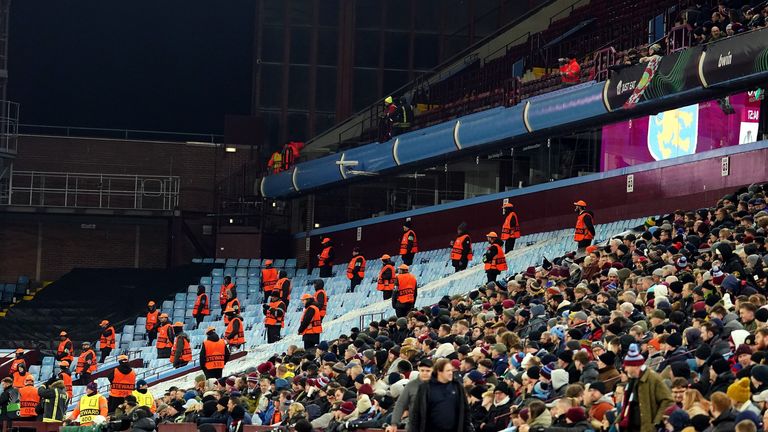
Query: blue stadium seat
[[243, 262], [255, 263]]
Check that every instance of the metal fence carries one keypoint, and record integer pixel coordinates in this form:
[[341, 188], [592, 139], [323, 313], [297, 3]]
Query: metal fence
[[9, 126], [91, 190]]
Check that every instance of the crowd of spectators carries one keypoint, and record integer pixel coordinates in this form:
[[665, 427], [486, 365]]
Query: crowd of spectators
[[712, 21], [664, 328]]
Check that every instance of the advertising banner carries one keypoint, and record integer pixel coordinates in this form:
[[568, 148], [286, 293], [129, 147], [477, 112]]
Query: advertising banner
[[658, 77], [735, 57], [682, 131]]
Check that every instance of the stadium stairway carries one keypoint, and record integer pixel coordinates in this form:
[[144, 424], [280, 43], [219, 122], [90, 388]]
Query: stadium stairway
[[345, 310], [84, 297]]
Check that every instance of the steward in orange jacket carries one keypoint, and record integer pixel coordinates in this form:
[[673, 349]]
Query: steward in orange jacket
[[152, 323], [274, 317], [234, 334], [106, 340], [510, 230], [122, 381], [29, 399], [585, 225], [269, 277], [311, 323], [355, 269], [17, 361], [66, 350], [404, 295], [165, 337], [386, 281], [214, 354], [494, 259], [202, 307], [66, 377], [461, 249], [181, 352], [408, 243], [86, 364], [325, 258]]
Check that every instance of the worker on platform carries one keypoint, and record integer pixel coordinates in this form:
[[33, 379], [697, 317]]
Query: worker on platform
[[325, 258], [355, 269], [461, 249], [275, 163], [408, 243], [510, 230], [404, 294], [494, 260]]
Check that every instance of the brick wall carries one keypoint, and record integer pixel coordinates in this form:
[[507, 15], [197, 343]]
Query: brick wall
[[66, 242], [197, 165]]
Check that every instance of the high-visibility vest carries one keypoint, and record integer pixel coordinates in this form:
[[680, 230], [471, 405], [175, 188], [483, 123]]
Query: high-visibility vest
[[67, 378], [206, 308], [186, 350], [145, 399], [29, 399], [152, 319], [276, 162], [107, 341], [235, 305], [283, 287], [122, 384], [270, 318], [163, 339], [65, 345], [15, 365], [406, 288], [582, 233], [18, 379], [508, 230], [223, 292], [571, 71], [316, 325], [404, 243], [325, 255], [457, 251], [321, 305], [386, 284], [351, 267], [499, 261], [90, 407], [269, 278], [239, 337], [214, 354], [81, 362]]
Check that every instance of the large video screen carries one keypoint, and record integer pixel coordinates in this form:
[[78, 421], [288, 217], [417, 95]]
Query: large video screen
[[682, 131]]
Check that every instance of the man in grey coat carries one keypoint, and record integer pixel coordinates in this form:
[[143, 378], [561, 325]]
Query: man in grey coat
[[408, 396]]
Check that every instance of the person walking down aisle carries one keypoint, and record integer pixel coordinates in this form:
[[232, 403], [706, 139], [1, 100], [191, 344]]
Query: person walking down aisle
[[494, 259], [325, 258], [510, 230], [355, 269], [386, 281], [585, 227], [404, 294], [461, 249]]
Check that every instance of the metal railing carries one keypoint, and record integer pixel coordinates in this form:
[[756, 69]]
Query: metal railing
[[92, 190], [9, 126], [122, 134]]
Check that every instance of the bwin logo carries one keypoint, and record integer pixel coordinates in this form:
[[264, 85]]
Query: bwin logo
[[724, 60]]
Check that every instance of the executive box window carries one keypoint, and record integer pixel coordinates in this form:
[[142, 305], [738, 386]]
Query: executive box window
[[271, 84], [272, 44], [367, 48], [425, 51], [396, 47], [327, 47], [368, 14], [326, 89], [300, 45], [298, 89]]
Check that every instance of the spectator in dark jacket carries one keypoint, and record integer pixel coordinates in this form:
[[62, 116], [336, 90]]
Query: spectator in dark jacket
[[441, 403]]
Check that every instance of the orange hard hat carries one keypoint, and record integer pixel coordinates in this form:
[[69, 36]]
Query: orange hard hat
[[492, 234], [64, 363], [164, 315], [326, 240], [103, 323], [63, 333], [507, 205], [122, 357], [29, 379], [306, 296], [385, 257], [268, 262], [403, 267], [151, 303], [580, 203], [178, 324]]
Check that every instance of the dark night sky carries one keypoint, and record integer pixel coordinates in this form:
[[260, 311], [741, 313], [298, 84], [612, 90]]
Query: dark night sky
[[170, 65]]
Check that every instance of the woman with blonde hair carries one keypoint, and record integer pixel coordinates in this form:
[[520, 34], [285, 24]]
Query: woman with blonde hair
[[694, 403], [296, 412]]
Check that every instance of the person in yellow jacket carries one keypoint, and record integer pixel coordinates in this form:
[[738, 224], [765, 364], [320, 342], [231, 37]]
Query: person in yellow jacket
[[144, 397], [91, 404]]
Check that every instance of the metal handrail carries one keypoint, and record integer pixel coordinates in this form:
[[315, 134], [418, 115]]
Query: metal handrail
[[125, 134]]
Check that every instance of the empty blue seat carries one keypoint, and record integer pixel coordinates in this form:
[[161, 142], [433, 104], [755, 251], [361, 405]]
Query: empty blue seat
[[290, 263], [197, 260], [255, 262], [279, 263], [241, 272], [217, 272], [167, 305], [231, 262], [243, 262], [229, 271]]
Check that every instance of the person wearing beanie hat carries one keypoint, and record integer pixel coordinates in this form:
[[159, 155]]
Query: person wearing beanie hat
[[606, 370], [559, 381], [678, 420], [751, 416], [646, 395], [576, 418], [724, 377], [86, 419], [739, 393]]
